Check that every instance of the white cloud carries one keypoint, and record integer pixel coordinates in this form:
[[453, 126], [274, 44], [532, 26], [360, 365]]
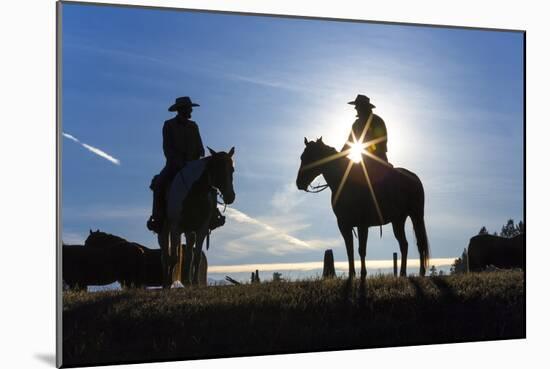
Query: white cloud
[[287, 199], [93, 149], [253, 236]]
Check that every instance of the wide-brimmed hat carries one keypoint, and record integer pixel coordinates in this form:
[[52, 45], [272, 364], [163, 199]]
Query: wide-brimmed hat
[[182, 102], [362, 100]]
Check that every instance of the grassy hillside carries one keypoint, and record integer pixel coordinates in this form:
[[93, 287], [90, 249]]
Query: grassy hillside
[[149, 325]]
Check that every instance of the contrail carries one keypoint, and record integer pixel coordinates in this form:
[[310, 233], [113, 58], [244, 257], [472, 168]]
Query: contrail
[[241, 217], [94, 150]]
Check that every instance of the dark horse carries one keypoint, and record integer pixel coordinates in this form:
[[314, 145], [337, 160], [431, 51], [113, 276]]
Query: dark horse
[[502, 252], [85, 266], [150, 265], [127, 256], [192, 216], [366, 195]]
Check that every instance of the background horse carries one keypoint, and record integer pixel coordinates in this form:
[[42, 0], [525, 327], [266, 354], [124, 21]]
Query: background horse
[[502, 252], [367, 194], [84, 266], [192, 216], [127, 256]]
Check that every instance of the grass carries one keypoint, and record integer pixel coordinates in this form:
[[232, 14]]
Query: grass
[[317, 315]]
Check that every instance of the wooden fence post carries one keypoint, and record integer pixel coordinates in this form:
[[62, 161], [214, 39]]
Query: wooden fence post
[[395, 264], [328, 265]]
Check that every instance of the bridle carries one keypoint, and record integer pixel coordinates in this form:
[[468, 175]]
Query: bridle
[[219, 194], [222, 202], [316, 188]]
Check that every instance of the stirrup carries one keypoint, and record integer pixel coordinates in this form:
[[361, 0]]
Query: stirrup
[[218, 221]]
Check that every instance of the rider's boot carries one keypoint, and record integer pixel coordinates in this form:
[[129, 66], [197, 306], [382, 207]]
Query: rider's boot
[[156, 219]]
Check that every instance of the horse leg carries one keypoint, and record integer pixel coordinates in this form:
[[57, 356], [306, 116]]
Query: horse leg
[[203, 270], [363, 233], [175, 245], [188, 257], [399, 233], [163, 239], [346, 232], [198, 253]]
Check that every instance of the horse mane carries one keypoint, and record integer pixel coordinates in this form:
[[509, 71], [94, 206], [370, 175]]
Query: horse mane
[[111, 238], [327, 148]]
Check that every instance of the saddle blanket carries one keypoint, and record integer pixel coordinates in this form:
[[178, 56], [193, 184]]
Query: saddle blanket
[[181, 185]]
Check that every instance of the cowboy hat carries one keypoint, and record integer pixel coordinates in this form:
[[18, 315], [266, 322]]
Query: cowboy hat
[[361, 100], [182, 102]]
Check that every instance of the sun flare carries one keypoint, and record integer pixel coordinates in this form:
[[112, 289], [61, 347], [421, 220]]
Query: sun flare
[[356, 152]]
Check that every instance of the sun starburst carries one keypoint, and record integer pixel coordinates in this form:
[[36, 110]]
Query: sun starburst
[[357, 148]]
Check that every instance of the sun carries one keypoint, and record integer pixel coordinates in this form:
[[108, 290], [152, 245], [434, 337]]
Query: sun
[[356, 152]]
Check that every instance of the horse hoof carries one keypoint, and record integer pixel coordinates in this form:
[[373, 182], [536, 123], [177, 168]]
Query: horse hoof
[[176, 284]]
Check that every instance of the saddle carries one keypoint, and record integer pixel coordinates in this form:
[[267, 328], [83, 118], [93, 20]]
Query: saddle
[[181, 185], [177, 191]]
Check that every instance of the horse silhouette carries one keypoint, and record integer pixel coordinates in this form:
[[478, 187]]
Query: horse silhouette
[[128, 256], [365, 195], [192, 216], [151, 273], [85, 266], [502, 252]]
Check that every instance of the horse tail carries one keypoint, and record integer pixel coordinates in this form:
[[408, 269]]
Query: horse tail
[[422, 242], [419, 226]]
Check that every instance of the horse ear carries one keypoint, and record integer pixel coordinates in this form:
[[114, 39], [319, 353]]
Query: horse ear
[[321, 139], [232, 151], [305, 141], [90, 231], [212, 152]]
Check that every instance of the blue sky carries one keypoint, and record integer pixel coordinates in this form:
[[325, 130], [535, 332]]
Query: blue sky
[[452, 100]]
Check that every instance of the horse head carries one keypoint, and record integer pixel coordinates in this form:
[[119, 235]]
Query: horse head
[[221, 173], [311, 160], [94, 238]]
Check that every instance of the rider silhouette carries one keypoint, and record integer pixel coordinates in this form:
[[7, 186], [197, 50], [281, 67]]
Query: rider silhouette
[[377, 128], [181, 142]]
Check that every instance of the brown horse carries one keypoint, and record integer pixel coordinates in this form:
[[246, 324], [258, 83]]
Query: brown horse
[[192, 216], [127, 256], [502, 252], [148, 266], [365, 195], [84, 266]]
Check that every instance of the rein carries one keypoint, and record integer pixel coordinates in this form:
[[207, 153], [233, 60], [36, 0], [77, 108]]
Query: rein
[[219, 194], [317, 188]]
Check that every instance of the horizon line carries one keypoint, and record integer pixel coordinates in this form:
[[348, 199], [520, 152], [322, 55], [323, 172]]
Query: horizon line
[[312, 265]]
